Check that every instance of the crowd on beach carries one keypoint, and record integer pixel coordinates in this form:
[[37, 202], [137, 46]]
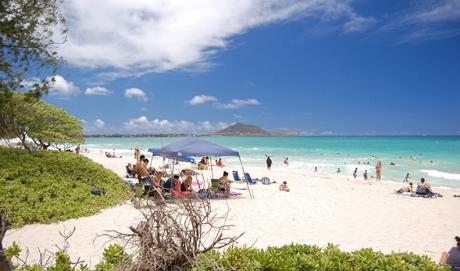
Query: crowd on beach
[[157, 182]]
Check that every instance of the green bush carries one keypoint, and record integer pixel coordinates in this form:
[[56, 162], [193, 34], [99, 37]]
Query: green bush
[[50, 186], [114, 256], [313, 258]]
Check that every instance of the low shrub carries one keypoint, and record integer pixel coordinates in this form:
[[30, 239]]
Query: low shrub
[[50, 186], [314, 258]]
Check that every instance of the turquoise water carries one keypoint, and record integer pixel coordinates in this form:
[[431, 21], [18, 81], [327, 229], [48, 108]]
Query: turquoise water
[[437, 158]]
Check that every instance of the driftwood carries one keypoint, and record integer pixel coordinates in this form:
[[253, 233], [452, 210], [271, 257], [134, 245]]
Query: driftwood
[[5, 264], [172, 236]]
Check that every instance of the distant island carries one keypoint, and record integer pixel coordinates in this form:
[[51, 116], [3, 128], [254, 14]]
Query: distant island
[[241, 129], [237, 129]]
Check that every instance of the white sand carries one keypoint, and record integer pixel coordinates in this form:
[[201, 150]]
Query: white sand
[[319, 209]]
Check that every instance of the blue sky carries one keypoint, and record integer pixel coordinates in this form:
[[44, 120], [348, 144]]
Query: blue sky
[[318, 67]]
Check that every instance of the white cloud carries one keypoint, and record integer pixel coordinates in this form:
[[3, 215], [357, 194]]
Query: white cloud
[[429, 20], [97, 91], [136, 93], [359, 24], [143, 124], [62, 87], [131, 38], [98, 123], [28, 84], [236, 103], [201, 99]]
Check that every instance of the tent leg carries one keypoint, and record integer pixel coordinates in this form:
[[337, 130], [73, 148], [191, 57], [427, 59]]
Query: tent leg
[[210, 162], [251, 193]]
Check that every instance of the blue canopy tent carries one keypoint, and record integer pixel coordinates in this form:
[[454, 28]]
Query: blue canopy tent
[[198, 147], [156, 151]]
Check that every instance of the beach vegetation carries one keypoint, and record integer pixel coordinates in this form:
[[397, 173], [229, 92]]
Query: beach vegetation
[[50, 186], [306, 257], [39, 125]]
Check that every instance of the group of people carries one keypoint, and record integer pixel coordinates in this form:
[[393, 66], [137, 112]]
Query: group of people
[[152, 181], [205, 163]]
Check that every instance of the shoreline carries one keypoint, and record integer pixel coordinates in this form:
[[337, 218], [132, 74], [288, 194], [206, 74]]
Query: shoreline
[[318, 210]]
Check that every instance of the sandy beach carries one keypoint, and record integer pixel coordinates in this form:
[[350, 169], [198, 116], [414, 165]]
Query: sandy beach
[[320, 209]]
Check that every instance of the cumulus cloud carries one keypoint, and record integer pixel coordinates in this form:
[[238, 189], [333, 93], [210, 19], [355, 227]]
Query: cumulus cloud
[[136, 93], [236, 103], [201, 99], [130, 38], [62, 87], [97, 91], [98, 123], [143, 124]]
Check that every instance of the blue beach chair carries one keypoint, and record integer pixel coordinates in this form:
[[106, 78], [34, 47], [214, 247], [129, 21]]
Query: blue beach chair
[[236, 177], [249, 179]]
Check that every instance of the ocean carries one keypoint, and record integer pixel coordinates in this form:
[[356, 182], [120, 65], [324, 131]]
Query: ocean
[[435, 158]]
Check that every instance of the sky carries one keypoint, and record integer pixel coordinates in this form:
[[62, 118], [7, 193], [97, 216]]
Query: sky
[[320, 67]]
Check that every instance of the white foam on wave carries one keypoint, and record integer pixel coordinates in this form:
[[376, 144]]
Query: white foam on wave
[[441, 174]]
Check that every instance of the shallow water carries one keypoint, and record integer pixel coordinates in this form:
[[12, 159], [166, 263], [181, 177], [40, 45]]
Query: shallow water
[[435, 158]]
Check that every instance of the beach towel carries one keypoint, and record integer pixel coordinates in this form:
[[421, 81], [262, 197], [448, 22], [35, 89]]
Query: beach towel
[[220, 195]]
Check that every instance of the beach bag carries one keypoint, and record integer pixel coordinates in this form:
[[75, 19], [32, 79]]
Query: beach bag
[[97, 192], [265, 180]]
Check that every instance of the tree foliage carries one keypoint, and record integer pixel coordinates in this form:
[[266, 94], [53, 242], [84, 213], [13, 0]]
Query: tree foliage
[[43, 123], [28, 33]]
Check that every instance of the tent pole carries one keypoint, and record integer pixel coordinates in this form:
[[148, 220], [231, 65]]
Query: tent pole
[[210, 162], [251, 194]]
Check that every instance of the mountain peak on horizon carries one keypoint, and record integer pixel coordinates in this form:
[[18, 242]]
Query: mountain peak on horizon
[[241, 129]]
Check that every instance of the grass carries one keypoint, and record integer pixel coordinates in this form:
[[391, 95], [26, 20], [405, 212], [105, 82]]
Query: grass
[[50, 186]]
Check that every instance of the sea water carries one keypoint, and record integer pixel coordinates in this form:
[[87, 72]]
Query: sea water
[[436, 159]]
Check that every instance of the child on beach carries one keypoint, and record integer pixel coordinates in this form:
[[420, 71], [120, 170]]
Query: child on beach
[[365, 175], [284, 187]]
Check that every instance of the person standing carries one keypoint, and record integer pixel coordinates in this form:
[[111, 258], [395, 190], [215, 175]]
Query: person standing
[[355, 173], [378, 171], [406, 179], [269, 163], [365, 175]]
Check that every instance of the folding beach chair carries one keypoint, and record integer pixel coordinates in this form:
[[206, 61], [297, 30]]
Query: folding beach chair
[[249, 179], [236, 177]]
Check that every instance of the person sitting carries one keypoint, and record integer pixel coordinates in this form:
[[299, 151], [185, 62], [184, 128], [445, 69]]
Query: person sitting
[[224, 183], [156, 180], [452, 258], [186, 185], [423, 188], [284, 187], [144, 176], [130, 170], [170, 184], [409, 188]]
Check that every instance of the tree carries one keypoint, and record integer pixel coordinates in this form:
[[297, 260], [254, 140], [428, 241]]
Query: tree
[[44, 124], [27, 32], [52, 126]]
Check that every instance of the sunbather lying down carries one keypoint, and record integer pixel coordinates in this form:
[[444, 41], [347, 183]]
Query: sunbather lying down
[[111, 155]]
